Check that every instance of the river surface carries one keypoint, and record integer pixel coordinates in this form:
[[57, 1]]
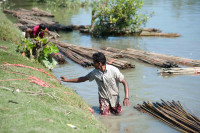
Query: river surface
[[145, 83]]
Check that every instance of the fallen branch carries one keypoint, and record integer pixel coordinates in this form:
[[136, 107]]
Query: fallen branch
[[3, 47]]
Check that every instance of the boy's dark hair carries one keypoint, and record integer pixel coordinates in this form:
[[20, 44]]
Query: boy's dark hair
[[99, 57], [42, 26]]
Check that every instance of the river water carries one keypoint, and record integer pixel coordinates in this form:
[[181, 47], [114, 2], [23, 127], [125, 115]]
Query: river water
[[171, 16]]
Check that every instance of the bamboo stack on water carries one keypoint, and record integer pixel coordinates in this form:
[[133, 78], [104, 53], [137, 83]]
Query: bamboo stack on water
[[143, 57], [83, 52], [175, 59], [173, 114], [75, 57], [115, 62], [154, 57], [145, 33], [180, 71]]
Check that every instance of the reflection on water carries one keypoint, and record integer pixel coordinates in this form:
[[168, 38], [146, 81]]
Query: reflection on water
[[177, 16]]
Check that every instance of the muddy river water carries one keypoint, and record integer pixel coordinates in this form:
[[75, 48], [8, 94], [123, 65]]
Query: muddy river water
[[145, 83]]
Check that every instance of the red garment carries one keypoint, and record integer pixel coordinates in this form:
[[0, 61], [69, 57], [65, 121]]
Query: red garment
[[37, 31], [106, 110]]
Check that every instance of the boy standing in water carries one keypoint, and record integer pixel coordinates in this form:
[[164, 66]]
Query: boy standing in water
[[107, 78]]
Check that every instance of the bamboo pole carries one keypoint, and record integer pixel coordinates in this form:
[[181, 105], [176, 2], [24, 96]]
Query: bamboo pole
[[59, 58], [172, 113], [147, 33], [180, 71]]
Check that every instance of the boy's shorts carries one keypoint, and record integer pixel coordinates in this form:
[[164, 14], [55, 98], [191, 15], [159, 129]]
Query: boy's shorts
[[107, 109]]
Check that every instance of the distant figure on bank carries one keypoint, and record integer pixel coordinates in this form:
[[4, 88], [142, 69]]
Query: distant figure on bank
[[38, 30], [107, 78]]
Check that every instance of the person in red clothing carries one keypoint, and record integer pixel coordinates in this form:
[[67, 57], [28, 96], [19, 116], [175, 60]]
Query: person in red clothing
[[38, 30]]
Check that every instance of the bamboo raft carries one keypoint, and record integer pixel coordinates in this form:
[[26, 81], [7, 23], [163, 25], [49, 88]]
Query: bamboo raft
[[173, 114], [139, 56], [30, 18], [143, 32], [75, 57], [83, 55], [147, 33], [59, 58], [180, 71], [168, 61]]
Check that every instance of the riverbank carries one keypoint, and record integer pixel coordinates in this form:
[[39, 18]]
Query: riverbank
[[31, 99]]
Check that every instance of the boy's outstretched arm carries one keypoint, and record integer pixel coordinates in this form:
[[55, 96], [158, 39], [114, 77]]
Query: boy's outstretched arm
[[76, 80]]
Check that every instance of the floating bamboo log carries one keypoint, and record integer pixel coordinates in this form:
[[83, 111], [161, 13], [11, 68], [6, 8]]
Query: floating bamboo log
[[75, 57], [30, 18], [175, 59], [139, 56], [88, 52], [59, 58], [143, 32], [173, 114], [180, 71], [39, 12], [151, 30], [147, 33], [33, 12]]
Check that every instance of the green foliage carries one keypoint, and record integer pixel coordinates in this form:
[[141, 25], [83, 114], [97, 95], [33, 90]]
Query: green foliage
[[117, 15], [40, 49], [8, 31], [45, 56]]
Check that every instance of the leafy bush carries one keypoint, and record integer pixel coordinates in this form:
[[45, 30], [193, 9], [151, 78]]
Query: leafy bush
[[116, 15], [40, 49]]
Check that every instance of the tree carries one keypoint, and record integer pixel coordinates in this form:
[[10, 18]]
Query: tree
[[115, 16]]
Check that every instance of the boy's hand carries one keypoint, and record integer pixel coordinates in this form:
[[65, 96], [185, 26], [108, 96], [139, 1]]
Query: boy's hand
[[126, 102], [63, 79]]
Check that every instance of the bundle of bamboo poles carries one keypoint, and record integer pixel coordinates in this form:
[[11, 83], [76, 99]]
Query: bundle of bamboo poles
[[153, 57], [33, 12], [140, 56], [147, 33], [87, 53], [59, 58], [175, 59], [173, 114], [180, 71], [75, 57]]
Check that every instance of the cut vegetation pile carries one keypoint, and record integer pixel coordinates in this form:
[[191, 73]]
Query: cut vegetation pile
[[32, 100]]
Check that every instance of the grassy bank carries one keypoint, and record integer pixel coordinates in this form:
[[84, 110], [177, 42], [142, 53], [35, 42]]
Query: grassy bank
[[28, 107], [8, 31]]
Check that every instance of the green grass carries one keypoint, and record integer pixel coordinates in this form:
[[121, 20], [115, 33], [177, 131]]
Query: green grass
[[23, 107], [28, 107], [8, 31]]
